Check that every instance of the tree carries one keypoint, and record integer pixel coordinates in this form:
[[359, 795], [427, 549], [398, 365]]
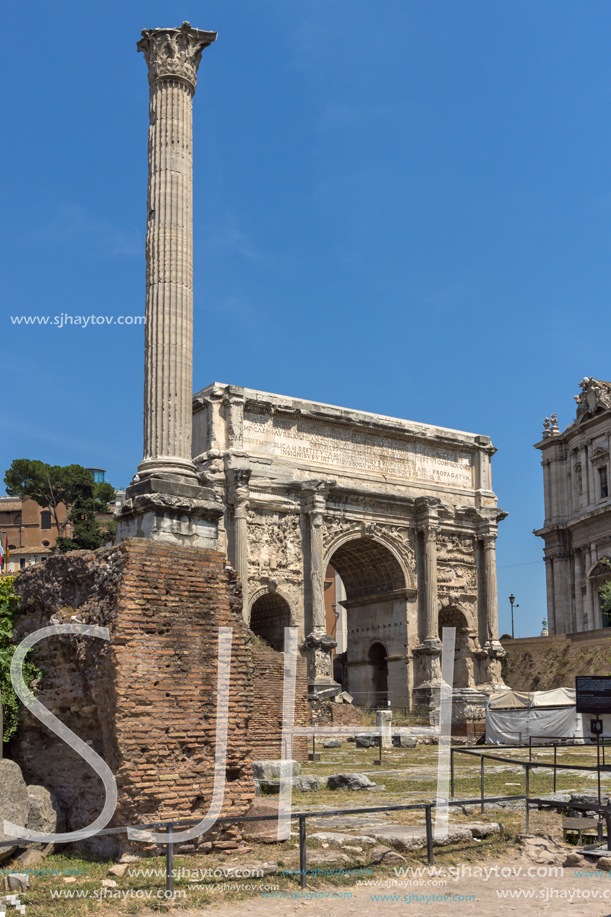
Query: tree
[[87, 531], [48, 485], [72, 485], [105, 494]]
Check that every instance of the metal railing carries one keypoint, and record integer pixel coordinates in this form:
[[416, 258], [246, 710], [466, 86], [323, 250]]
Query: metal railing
[[530, 765], [301, 817]]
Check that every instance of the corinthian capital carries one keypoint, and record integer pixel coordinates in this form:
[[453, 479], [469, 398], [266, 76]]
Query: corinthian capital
[[174, 54]]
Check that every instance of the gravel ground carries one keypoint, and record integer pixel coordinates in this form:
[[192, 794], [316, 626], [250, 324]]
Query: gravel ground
[[570, 893]]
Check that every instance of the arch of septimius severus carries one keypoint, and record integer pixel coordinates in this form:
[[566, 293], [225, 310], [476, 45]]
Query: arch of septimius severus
[[403, 512]]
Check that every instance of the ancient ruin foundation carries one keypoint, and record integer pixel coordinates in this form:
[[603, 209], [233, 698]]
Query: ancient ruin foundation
[[146, 701]]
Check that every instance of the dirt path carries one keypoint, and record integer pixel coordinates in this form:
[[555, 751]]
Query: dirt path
[[572, 893]]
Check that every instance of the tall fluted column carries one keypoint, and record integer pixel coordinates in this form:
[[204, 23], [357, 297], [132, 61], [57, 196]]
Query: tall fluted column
[[238, 495], [173, 56], [165, 500]]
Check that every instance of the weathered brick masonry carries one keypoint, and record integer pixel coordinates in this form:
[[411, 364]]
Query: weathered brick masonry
[[266, 722], [146, 702]]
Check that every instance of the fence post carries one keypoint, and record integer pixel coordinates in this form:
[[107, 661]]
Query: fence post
[[429, 834], [302, 852], [169, 860], [481, 760], [527, 817], [598, 767], [451, 773], [555, 749]]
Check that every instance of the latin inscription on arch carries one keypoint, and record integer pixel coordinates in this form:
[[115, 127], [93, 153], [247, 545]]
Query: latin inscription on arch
[[319, 443]]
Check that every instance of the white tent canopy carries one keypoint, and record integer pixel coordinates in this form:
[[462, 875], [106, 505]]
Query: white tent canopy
[[514, 717], [558, 697]]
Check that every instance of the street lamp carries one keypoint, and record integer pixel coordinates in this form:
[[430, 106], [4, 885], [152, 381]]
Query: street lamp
[[512, 599]]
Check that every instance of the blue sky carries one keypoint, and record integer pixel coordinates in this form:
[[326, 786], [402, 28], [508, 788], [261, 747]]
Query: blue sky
[[400, 206]]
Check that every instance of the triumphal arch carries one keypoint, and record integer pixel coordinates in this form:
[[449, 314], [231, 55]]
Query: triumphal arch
[[402, 512]]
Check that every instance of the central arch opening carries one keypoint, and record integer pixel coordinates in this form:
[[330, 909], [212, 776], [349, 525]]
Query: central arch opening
[[371, 617]]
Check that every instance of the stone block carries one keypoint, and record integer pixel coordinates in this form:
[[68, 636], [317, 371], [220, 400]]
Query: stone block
[[400, 740], [386, 856], [366, 740], [263, 832], [17, 881], [13, 801], [332, 743], [306, 784], [338, 839], [270, 770], [45, 815], [484, 828], [349, 782]]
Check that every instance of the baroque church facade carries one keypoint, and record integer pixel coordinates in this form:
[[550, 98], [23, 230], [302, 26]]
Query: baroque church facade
[[577, 526]]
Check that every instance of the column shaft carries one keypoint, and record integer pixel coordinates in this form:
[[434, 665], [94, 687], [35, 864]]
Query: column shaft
[[430, 575], [238, 495], [241, 550], [169, 274], [317, 574], [492, 600]]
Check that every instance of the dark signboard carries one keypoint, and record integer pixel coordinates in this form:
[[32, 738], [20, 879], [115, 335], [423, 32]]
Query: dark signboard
[[593, 693]]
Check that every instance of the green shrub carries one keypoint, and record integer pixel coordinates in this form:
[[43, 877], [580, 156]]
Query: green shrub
[[9, 603]]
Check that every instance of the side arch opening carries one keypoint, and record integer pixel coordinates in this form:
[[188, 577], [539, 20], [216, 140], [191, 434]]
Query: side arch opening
[[269, 615]]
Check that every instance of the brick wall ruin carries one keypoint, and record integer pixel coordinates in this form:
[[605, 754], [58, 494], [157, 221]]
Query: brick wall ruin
[[266, 722], [146, 701]]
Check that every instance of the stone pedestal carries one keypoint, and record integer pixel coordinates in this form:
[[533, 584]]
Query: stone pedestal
[[170, 511], [384, 727], [426, 692], [321, 683]]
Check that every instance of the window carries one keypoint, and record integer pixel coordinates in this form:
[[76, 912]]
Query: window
[[45, 520], [604, 484], [45, 544], [22, 563]]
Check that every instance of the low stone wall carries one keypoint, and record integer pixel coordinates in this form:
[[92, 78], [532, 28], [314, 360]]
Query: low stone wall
[[543, 663], [265, 729], [146, 701]]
